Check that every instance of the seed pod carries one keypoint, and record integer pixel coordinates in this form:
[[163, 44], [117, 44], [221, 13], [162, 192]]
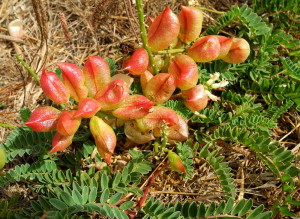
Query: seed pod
[[97, 74], [73, 80], [163, 30], [175, 162], [157, 116], [87, 108], [128, 80], [185, 71], [160, 88], [160, 63], [68, 125], [239, 51], [112, 94], [225, 45], [53, 87], [133, 107], [196, 98], [60, 142], [43, 119], [178, 132], [205, 49], [104, 136], [2, 158], [190, 20], [145, 78], [134, 134], [138, 62]]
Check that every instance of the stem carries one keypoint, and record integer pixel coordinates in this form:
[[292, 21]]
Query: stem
[[7, 126], [210, 10], [169, 51], [34, 75], [147, 188], [140, 10]]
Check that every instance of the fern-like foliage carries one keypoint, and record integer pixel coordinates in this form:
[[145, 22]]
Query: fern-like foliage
[[186, 151], [93, 192], [156, 209], [24, 141], [274, 89], [221, 169], [246, 15], [278, 159], [292, 69]]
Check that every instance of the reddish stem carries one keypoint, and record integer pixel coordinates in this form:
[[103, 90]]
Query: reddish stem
[[147, 187]]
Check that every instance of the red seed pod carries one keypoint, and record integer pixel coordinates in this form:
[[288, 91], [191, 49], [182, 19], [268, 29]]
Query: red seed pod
[[157, 116], [60, 142], [175, 162], [104, 136], [190, 20], [176, 133], [151, 19], [87, 108], [196, 98], [144, 79], [160, 88], [205, 49], [225, 45], [127, 79], [43, 119], [53, 87], [112, 94], [73, 80], [68, 125], [239, 51], [134, 134], [138, 62], [163, 30], [185, 71], [97, 74], [133, 107]]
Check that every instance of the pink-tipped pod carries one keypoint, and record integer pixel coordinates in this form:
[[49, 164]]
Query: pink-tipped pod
[[144, 79], [163, 30], [67, 125], [239, 51], [97, 74], [73, 80], [205, 49], [225, 45], [195, 98], [138, 62], [128, 80], [112, 94], [53, 87], [160, 88], [190, 20], [176, 133], [87, 108], [185, 71], [61, 142], [157, 116], [133, 107], [134, 134], [104, 136], [175, 162], [43, 119]]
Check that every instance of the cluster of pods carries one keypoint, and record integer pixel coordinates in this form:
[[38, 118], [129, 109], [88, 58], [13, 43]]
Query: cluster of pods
[[168, 29], [94, 89]]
